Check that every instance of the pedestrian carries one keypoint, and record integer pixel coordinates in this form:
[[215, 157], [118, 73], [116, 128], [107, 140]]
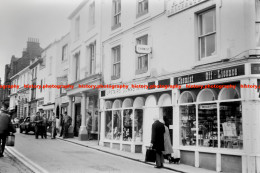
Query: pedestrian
[[53, 127], [89, 125], [61, 124], [44, 126], [5, 128], [157, 141], [38, 125], [66, 124], [167, 141]]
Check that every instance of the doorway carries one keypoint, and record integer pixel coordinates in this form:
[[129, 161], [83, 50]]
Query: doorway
[[77, 121], [167, 117]]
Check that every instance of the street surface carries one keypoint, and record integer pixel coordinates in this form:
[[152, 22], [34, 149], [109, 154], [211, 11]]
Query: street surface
[[57, 156]]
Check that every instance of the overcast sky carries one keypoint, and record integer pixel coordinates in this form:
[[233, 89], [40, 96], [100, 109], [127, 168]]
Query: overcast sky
[[46, 20]]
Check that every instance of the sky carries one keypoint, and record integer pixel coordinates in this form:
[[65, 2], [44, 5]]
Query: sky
[[46, 20]]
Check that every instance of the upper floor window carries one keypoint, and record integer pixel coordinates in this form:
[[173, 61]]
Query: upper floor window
[[50, 65], [116, 59], [142, 7], [77, 35], [142, 59], [92, 14], [207, 33], [64, 53], [116, 14], [76, 66], [92, 54]]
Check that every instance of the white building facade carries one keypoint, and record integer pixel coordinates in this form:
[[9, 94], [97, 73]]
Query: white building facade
[[184, 44]]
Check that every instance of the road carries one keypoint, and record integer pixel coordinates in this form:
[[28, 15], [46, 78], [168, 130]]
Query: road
[[58, 156]]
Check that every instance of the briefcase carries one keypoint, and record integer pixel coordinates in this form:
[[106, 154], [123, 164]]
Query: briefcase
[[10, 140], [150, 155]]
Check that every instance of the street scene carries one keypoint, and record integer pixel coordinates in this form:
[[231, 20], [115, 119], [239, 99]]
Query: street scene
[[129, 86]]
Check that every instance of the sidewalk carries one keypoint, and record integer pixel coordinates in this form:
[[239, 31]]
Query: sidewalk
[[135, 156]]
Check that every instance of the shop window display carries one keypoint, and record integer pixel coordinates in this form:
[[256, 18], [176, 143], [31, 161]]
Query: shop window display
[[108, 124], [117, 123], [138, 125], [231, 134], [188, 125], [127, 122], [208, 125]]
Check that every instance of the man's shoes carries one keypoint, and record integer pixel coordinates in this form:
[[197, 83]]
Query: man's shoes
[[158, 166]]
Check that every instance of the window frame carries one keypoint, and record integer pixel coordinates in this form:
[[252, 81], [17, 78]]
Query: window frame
[[92, 58], [142, 56], [77, 28], [201, 36], [92, 21], [116, 14], [141, 4], [64, 56], [115, 76]]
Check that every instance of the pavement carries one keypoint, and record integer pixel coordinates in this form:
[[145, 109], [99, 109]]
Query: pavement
[[135, 156]]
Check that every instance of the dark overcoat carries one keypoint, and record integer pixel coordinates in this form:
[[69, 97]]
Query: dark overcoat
[[158, 136], [5, 123]]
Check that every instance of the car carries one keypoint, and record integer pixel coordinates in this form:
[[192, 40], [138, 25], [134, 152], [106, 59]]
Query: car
[[27, 126]]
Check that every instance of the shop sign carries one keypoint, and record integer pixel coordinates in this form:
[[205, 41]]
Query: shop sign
[[211, 75], [212, 106], [176, 6], [132, 89], [255, 68], [143, 49]]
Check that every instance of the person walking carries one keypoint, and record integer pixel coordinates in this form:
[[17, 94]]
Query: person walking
[[157, 141], [167, 141], [44, 126], [5, 128], [38, 125], [53, 127], [61, 124], [89, 125], [66, 124]]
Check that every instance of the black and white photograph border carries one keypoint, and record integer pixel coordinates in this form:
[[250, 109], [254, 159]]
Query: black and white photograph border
[[129, 86]]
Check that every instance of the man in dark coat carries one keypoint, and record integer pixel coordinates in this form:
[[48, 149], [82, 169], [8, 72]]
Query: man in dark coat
[[38, 125], [157, 142], [5, 128], [66, 124]]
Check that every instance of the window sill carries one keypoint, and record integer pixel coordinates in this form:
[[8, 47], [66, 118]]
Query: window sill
[[141, 71], [141, 14], [115, 77], [207, 60], [115, 26]]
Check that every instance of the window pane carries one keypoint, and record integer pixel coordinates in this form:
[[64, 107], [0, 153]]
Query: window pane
[[202, 47], [208, 125], [188, 124], [117, 125], [117, 70], [210, 45], [138, 125], [207, 22], [127, 122], [108, 124], [231, 132]]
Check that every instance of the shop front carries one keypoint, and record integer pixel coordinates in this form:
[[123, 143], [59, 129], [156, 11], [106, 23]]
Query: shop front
[[127, 116], [215, 114]]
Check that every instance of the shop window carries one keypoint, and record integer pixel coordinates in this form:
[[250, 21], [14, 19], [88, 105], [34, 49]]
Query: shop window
[[117, 125], [138, 125], [231, 133], [207, 125], [188, 124], [127, 125], [108, 124], [207, 33], [187, 97]]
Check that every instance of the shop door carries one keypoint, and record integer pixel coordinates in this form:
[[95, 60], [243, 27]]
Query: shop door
[[77, 119], [167, 116]]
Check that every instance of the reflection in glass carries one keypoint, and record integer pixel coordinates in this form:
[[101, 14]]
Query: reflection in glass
[[108, 124], [138, 123], [188, 124], [127, 122], [117, 120], [208, 125], [231, 134]]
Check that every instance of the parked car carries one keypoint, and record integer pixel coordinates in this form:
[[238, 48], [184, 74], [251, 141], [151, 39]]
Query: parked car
[[27, 126]]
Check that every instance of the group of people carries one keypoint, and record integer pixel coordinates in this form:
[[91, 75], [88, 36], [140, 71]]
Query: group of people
[[41, 125], [6, 127], [161, 141]]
